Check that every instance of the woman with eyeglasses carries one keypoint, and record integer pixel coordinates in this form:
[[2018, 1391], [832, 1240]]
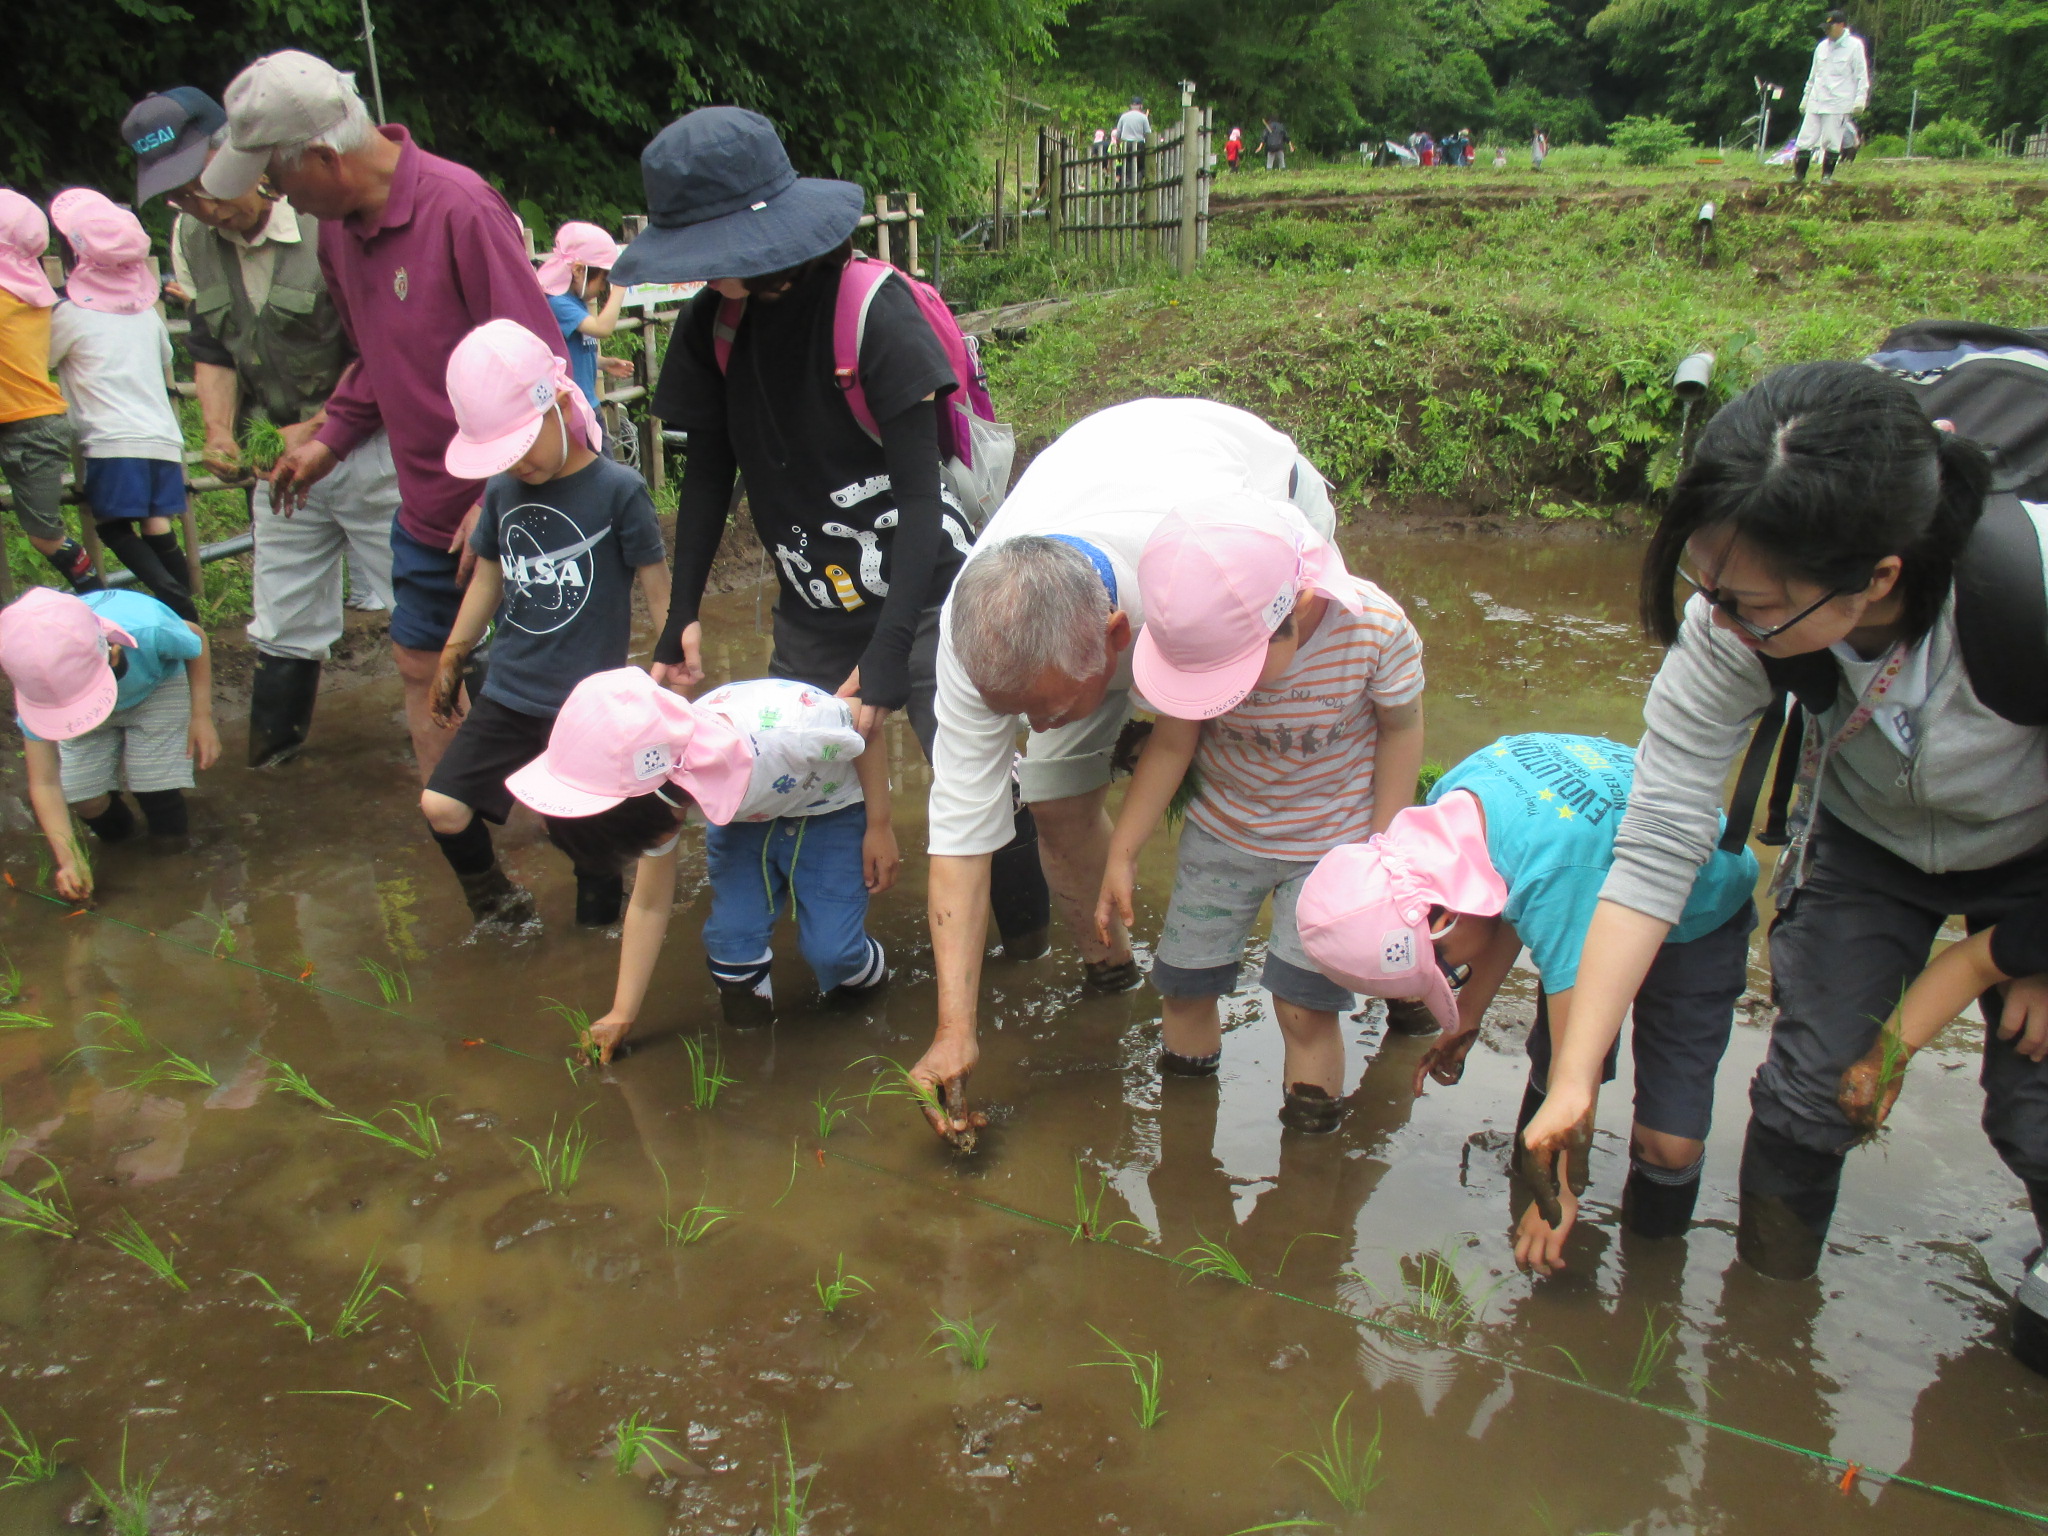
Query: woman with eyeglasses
[[1820, 520], [1512, 850]]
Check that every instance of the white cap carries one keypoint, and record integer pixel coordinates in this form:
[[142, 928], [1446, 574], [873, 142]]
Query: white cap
[[283, 98]]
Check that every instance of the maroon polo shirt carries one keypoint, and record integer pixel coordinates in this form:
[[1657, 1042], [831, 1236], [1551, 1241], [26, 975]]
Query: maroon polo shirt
[[443, 256]]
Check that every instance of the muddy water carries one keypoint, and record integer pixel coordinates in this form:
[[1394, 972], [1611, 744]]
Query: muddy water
[[578, 1313]]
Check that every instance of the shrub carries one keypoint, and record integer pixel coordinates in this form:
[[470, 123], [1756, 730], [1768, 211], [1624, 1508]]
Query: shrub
[[1885, 146], [1951, 139], [1648, 140]]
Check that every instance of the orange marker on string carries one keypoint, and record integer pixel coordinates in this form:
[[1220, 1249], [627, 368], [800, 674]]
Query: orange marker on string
[[478, 1041], [308, 971], [1848, 1482]]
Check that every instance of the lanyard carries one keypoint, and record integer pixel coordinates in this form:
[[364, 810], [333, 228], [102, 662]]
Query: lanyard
[[1096, 558], [1813, 755]]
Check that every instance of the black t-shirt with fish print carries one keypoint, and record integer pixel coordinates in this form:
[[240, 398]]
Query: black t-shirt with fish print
[[569, 550], [815, 482]]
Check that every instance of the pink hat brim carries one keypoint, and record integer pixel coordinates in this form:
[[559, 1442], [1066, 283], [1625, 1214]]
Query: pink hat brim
[[1193, 695], [22, 275], [470, 460], [717, 767], [537, 786], [61, 722], [124, 290]]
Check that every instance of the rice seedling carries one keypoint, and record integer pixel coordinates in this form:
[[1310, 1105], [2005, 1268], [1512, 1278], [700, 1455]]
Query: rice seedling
[[358, 1308], [1207, 1258], [792, 1174], [1288, 1252], [791, 1498], [286, 1078], [81, 855], [1348, 1472], [587, 1052], [425, 1138], [707, 1071], [1653, 1350], [1144, 1371], [1571, 1360], [31, 1210], [1437, 1300], [130, 1238], [633, 1437], [375, 1397], [830, 1111], [127, 1502], [14, 1018], [292, 1317], [840, 1288], [1088, 1207], [559, 1159], [393, 985], [892, 1080], [1283, 1525], [120, 1033], [463, 1386], [223, 934], [173, 1068], [10, 980], [695, 1224], [960, 1335], [23, 1460]]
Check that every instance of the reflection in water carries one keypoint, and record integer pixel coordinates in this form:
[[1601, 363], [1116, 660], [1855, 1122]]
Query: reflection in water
[[579, 1312]]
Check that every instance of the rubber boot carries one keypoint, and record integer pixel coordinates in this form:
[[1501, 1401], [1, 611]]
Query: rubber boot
[[281, 708], [1827, 167], [136, 551], [116, 824], [746, 993], [1173, 1064], [1310, 1110], [1788, 1200], [861, 988], [1018, 896], [1658, 1202], [494, 899], [70, 561], [2030, 1306], [1406, 1016], [164, 810], [599, 898], [1112, 976], [1800, 161]]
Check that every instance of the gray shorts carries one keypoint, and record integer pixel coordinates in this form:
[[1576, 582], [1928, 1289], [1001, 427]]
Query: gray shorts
[[137, 749], [1218, 892], [34, 456], [1074, 759]]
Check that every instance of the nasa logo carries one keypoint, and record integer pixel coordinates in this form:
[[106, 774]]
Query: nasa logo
[[548, 563]]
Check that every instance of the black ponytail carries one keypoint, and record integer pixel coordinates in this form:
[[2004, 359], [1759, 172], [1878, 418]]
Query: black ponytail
[[607, 842], [1825, 468]]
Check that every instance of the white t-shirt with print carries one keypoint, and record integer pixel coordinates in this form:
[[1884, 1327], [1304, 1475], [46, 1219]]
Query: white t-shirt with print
[[112, 370], [804, 744]]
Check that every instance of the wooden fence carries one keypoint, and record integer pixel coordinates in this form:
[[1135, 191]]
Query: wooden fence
[[1119, 203]]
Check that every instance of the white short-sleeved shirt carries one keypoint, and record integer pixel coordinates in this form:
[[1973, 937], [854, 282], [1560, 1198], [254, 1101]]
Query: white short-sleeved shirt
[[1109, 479], [112, 370]]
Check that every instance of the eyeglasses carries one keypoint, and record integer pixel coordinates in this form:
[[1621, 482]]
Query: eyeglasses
[[1726, 607]]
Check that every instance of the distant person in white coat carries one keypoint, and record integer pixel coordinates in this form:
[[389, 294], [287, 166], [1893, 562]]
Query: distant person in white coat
[[1837, 87]]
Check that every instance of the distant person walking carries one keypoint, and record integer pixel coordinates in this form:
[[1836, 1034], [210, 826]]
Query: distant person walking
[[1275, 144], [1233, 147], [1837, 87], [1539, 149], [1133, 134]]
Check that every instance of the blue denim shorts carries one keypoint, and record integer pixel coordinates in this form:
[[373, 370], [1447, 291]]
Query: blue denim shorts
[[134, 488], [424, 596]]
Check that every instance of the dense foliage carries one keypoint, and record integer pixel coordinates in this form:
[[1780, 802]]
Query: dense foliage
[[552, 101]]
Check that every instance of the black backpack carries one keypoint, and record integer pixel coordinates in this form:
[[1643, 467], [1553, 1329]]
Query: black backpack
[[1992, 383]]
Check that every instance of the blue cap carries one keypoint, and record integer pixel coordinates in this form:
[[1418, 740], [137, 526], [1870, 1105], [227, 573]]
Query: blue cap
[[168, 133]]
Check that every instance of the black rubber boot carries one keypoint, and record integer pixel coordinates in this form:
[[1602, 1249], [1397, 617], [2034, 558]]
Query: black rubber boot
[[164, 810], [136, 551], [494, 899], [598, 899], [1173, 1064], [281, 708], [1658, 1202], [1800, 161], [1788, 1200], [1827, 167], [745, 1006], [116, 824], [1018, 896], [1310, 1110], [70, 561], [1112, 976], [1406, 1016]]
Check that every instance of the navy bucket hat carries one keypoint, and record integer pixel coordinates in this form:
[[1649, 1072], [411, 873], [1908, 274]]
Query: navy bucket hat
[[723, 201]]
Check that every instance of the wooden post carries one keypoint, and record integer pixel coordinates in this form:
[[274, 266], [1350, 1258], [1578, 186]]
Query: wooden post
[[646, 368], [195, 569], [1193, 151], [882, 225], [912, 215], [1000, 159], [1053, 154]]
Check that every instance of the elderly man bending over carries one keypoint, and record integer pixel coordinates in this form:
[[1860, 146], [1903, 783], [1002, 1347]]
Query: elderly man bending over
[[1038, 630]]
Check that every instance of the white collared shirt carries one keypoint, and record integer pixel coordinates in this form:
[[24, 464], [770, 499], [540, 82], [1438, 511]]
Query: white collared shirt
[[257, 255]]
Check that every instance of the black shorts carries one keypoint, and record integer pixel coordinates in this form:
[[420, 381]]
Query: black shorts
[[825, 658], [494, 741], [2019, 943]]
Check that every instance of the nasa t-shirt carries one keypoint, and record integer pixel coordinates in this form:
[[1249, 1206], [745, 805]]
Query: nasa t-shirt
[[569, 550]]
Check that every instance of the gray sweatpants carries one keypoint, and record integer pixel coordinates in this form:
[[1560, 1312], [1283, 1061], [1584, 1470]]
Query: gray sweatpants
[[298, 558], [1854, 938]]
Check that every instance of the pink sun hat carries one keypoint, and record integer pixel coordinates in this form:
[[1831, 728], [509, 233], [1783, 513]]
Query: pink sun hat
[[576, 242], [53, 648], [503, 380], [1218, 577], [622, 734], [24, 236], [113, 274], [1363, 912]]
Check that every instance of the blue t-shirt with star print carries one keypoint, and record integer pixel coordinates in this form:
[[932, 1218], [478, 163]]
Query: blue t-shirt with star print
[[1553, 805]]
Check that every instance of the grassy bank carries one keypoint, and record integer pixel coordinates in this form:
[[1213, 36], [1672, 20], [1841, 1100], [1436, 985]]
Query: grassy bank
[[1503, 344]]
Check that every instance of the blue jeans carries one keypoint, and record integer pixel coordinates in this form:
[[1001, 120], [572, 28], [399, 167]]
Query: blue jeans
[[755, 866]]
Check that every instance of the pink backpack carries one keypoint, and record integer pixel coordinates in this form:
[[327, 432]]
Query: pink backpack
[[975, 450]]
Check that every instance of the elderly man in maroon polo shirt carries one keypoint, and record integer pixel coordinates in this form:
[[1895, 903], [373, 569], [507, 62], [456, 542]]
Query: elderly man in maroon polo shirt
[[417, 251]]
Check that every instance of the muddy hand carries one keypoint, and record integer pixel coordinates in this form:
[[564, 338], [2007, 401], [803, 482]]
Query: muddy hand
[[1539, 1169], [447, 684], [1870, 1086], [608, 1035], [1445, 1060], [963, 1125]]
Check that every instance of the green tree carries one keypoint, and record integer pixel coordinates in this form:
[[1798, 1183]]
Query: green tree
[[1987, 63]]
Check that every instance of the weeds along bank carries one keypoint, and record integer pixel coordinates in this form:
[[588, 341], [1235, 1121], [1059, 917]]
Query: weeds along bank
[[1505, 345]]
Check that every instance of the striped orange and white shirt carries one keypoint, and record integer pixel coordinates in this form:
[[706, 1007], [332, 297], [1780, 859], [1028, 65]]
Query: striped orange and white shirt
[[1288, 773]]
